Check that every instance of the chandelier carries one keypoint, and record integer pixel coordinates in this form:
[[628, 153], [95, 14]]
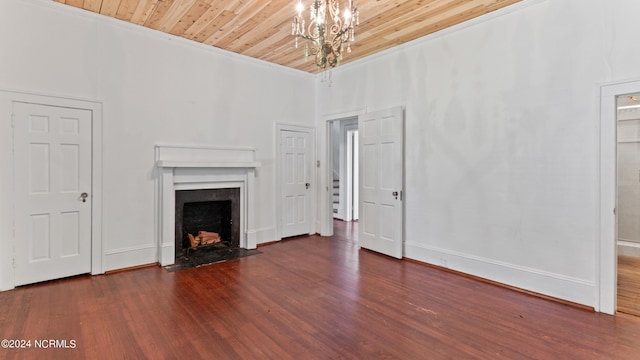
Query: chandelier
[[327, 31]]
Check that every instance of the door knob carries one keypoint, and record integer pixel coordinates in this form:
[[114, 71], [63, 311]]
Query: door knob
[[84, 196], [395, 194], [307, 185]]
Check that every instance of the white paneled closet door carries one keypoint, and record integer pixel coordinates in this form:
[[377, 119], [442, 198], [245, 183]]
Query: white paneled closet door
[[52, 161], [296, 182]]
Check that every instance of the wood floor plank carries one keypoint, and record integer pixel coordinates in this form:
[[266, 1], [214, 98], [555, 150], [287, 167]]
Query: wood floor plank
[[629, 285], [306, 298]]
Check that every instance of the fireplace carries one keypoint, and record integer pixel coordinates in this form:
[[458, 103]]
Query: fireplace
[[209, 211], [200, 174]]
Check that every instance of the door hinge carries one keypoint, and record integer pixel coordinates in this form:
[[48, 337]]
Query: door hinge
[[12, 121], [13, 263]]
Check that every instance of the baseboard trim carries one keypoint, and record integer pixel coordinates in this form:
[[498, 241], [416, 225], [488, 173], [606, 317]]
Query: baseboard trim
[[130, 268], [502, 285], [628, 248], [130, 257], [559, 286], [268, 243], [265, 235]]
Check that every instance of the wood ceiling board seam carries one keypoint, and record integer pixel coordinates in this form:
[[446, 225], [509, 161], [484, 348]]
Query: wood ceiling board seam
[[197, 10], [268, 33], [229, 37], [232, 36], [225, 17], [126, 9], [239, 21], [92, 5], [377, 13], [284, 46], [433, 28], [453, 20], [401, 13], [177, 11], [76, 3], [497, 5], [437, 18], [207, 18], [109, 7], [143, 11], [154, 19]]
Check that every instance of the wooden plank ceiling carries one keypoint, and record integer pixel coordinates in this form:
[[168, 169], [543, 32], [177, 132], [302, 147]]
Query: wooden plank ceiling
[[262, 28]]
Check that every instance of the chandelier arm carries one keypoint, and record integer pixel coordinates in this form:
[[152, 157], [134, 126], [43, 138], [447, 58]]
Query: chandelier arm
[[305, 37]]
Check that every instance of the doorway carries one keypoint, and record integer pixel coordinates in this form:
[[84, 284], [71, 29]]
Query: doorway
[[344, 169], [607, 254], [628, 203], [380, 158]]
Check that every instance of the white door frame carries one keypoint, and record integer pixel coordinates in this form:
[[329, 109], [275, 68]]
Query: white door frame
[[348, 181], [326, 214], [7, 217], [607, 262], [278, 175]]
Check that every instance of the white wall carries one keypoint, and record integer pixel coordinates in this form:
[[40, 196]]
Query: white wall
[[155, 89], [501, 137]]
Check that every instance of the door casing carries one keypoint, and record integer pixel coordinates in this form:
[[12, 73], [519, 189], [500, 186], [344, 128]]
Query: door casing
[[7, 218], [606, 250]]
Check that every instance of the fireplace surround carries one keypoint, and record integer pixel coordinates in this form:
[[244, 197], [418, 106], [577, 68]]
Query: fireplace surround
[[200, 168]]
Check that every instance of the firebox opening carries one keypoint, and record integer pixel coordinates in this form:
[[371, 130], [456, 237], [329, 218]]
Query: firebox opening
[[207, 218]]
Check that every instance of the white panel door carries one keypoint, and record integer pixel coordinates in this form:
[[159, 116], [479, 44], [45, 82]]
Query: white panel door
[[381, 181], [295, 152], [52, 157]]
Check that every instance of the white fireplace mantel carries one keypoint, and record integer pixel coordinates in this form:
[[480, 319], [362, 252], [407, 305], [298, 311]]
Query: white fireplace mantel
[[190, 168]]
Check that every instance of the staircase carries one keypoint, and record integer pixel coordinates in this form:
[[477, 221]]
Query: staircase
[[336, 193]]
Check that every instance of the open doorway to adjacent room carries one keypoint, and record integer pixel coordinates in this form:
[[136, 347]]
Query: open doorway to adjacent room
[[344, 177], [344, 154], [628, 203]]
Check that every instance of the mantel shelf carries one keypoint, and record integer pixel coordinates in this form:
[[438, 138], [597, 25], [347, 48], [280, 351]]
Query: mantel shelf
[[190, 164]]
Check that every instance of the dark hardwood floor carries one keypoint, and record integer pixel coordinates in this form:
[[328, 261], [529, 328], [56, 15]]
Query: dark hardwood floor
[[629, 285], [305, 298]]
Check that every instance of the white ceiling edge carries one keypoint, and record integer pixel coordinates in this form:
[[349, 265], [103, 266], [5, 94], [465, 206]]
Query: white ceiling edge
[[523, 4], [67, 9]]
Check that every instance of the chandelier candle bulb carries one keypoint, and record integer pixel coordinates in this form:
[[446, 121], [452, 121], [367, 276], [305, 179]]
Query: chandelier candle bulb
[[300, 8]]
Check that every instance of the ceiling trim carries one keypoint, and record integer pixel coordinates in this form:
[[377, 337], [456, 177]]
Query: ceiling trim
[[444, 32], [84, 14]]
